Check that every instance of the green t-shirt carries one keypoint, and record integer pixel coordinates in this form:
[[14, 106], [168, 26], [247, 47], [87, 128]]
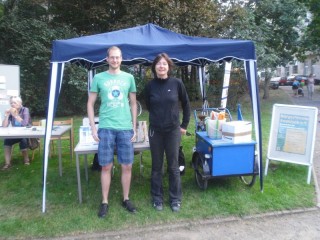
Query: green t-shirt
[[114, 90]]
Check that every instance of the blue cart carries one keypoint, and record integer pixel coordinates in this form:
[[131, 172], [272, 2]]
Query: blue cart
[[219, 158]]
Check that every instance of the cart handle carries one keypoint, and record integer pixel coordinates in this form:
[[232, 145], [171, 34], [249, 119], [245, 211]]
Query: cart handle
[[212, 109], [206, 112]]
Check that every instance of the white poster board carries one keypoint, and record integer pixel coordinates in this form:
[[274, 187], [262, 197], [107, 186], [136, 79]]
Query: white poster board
[[292, 135], [9, 86]]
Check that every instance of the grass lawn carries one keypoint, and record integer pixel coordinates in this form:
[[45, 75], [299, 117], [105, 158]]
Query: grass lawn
[[21, 191]]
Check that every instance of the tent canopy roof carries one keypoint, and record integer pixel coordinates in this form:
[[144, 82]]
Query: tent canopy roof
[[141, 44]]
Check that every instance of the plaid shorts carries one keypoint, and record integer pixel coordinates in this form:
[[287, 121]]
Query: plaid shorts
[[111, 140]]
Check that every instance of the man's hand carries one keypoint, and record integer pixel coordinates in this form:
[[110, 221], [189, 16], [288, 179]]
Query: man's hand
[[133, 139], [95, 134]]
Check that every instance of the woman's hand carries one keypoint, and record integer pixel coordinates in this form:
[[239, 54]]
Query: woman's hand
[[7, 112], [183, 131], [14, 112]]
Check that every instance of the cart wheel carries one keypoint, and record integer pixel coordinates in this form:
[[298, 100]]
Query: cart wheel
[[249, 180], [198, 168]]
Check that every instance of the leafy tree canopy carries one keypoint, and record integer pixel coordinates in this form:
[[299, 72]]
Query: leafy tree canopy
[[310, 41], [28, 28], [27, 42]]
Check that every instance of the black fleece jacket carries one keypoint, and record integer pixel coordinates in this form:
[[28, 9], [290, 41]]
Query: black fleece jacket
[[162, 97]]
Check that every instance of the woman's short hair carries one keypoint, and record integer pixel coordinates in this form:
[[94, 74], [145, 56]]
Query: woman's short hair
[[17, 98], [158, 58]]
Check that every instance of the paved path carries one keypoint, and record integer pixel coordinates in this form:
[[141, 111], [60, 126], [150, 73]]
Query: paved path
[[297, 224]]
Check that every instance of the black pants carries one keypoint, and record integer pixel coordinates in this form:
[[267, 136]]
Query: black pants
[[168, 143]]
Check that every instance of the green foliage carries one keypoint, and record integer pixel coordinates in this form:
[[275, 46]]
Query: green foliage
[[85, 16], [139, 73], [189, 17], [278, 22], [1, 9], [28, 28], [27, 43], [189, 76], [74, 92], [236, 21], [238, 85], [310, 41], [214, 84], [277, 27]]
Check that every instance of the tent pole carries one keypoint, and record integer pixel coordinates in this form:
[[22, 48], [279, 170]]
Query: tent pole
[[55, 80], [226, 81], [49, 121], [202, 79], [90, 78], [250, 67]]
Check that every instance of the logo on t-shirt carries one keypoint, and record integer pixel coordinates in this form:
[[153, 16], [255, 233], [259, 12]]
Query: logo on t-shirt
[[115, 97], [116, 93]]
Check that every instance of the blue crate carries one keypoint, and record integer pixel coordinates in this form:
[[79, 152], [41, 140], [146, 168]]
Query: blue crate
[[227, 158]]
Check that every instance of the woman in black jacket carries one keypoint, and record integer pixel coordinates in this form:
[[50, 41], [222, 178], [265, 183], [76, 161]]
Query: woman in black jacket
[[164, 94]]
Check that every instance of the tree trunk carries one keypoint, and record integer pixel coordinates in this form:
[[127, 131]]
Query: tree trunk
[[266, 89], [266, 84]]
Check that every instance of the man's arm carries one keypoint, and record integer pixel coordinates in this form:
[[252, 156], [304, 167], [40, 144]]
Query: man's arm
[[133, 105], [90, 109]]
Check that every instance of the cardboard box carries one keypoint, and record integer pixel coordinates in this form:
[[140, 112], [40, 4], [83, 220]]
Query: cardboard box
[[237, 131]]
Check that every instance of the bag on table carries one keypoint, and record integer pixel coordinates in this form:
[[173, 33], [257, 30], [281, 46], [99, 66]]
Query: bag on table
[[33, 143]]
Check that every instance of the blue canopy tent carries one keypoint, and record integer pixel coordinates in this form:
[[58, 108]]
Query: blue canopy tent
[[140, 45]]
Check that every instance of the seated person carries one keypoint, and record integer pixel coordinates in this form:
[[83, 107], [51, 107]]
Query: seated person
[[17, 116]]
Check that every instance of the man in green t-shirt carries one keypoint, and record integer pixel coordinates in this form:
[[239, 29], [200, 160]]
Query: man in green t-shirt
[[117, 121]]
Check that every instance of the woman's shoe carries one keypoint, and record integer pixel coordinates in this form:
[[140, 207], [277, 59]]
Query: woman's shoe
[[6, 167], [27, 162]]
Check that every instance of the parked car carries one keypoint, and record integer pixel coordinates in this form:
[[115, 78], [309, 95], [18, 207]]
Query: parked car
[[283, 81], [274, 82]]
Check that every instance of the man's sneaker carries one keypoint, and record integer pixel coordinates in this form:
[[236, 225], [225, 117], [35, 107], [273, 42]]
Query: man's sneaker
[[103, 211], [158, 206], [127, 204], [175, 206]]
